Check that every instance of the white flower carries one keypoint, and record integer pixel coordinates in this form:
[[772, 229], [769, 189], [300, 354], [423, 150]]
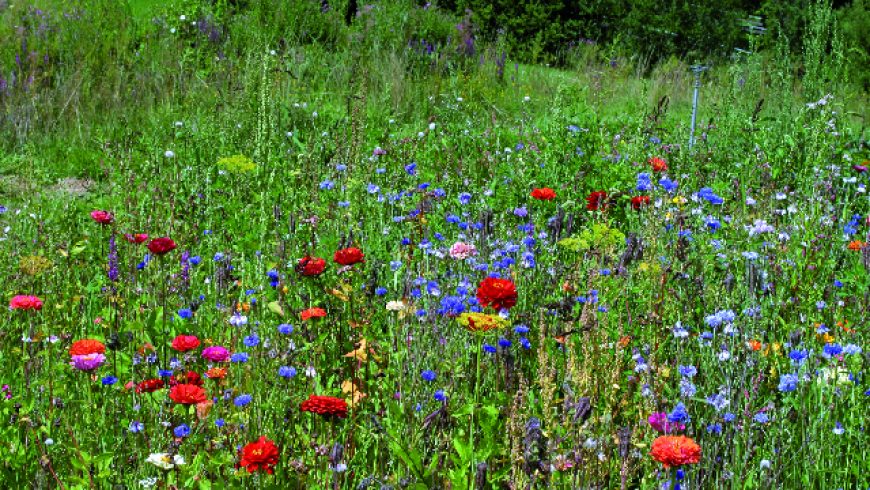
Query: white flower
[[169, 154], [310, 372], [765, 463], [526, 98], [182, 17], [148, 482], [431, 126], [165, 461], [238, 320], [395, 306]]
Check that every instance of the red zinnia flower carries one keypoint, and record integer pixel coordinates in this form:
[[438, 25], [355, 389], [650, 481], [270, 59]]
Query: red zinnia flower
[[544, 194], [325, 405], [658, 164], [260, 455], [187, 394], [24, 302], [149, 386], [596, 201], [311, 266], [160, 246], [638, 202], [184, 343], [102, 217], [87, 346], [137, 238], [191, 378], [312, 313], [498, 293], [675, 451], [348, 256]]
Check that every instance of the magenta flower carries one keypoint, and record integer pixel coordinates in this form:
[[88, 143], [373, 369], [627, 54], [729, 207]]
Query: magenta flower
[[87, 362], [659, 422], [216, 353]]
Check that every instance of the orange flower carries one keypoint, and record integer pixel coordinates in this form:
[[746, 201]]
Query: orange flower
[[624, 340], [658, 164], [856, 245], [675, 451], [312, 313], [87, 346], [216, 373], [754, 345]]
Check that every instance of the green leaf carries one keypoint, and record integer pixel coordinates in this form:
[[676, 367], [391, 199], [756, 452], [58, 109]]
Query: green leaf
[[275, 307]]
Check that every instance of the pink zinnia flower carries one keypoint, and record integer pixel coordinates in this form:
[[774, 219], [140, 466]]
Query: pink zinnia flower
[[462, 250], [87, 362], [24, 302], [102, 217], [216, 353], [659, 421]]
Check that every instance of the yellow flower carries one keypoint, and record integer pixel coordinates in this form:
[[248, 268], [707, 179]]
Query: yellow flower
[[679, 200], [481, 322], [237, 164]]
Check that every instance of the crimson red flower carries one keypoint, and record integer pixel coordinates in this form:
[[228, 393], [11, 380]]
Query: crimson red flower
[[187, 394], [160, 246], [25, 302], [149, 385], [348, 256], [312, 313], [85, 347], [184, 343], [596, 201], [326, 406], [638, 202], [310, 266], [102, 217], [544, 194], [498, 293], [261, 455], [136, 238], [658, 164], [191, 378], [675, 451]]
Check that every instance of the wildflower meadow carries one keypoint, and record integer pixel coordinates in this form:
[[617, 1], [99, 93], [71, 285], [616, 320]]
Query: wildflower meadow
[[327, 245]]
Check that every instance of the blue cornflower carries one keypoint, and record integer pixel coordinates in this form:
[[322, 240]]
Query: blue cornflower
[[464, 198], [521, 329], [286, 371], [428, 375], [714, 428], [411, 168], [195, 260], [218, 257], [708, 195], [852, 349], [521, 212], [164, 373], [832, 350], [452, 306], [490, 349], [219, 422], [242, 400], [729, 417], [381, 291], [109, 380], [761, 418], [788, 382], [688, 371], [798, 356], [136, 426], [285, 328], [525, 343], [504, 343], [185, 313], [679, 414], [252, 340], [372, 189], [643, 182], [669, 185], [341, 167], [181, 431], [440, 395], [239, 357]]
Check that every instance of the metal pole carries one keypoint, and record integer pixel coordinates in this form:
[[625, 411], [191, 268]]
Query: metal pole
[[697, 69]]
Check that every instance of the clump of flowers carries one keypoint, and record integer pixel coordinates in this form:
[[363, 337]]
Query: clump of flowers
[[236, 164], [325, 406], [25, 303], [34, 265]]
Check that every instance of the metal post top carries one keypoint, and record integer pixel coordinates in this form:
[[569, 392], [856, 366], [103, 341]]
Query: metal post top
[[697, 69]]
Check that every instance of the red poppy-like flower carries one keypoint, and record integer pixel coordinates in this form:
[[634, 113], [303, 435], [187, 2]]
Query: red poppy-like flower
[[312, 313], [348, 256], [596, 201], [136, 238], [187, 394], [102, 217], [855, 245], [261, 455], [160, 246], [326, 406], [544, 194], [675, 451], [216, 373], [311, 266], [150, 385], [184, 343], [84, 347], [191, 378], [658, 164], [25, 302], [498, 293], [638, 202]]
